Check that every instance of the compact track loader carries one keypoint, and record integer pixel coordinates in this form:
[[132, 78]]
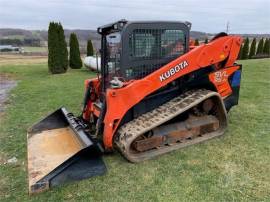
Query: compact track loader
[[155, 93]]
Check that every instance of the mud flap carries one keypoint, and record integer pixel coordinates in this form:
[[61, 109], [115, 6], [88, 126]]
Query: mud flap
[[60, 151]]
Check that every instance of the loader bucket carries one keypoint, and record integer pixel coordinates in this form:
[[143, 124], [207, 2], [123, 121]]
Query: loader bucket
[[59, 151]]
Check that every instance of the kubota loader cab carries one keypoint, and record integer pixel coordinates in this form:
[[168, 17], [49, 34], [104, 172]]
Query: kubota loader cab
[[153, 95], [133, 50]]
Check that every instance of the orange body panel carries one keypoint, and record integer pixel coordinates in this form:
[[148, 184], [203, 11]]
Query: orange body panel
[[220, 80], [90, 107], [119, 101]]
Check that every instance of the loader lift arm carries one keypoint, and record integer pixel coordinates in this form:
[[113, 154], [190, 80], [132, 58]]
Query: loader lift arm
[[119, 101]]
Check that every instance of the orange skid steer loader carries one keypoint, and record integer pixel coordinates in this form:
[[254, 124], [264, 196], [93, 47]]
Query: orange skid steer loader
[[155, 93]]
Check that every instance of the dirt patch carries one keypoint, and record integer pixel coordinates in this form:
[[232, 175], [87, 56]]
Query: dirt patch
[[6, 84], [21, 59]]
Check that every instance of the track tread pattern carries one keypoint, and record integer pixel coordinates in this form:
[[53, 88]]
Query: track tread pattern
[[127, 133]]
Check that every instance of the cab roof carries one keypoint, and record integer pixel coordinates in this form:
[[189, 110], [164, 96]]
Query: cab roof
[[119, 25]]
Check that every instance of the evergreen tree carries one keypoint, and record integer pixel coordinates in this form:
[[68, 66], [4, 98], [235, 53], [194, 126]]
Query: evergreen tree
[[196, 42], [260, 47], [266, 48], [245, 49], [240, 53], [90, 49], [57, 49], [206, 41], [52, 46], [252, 51], [63, 46], [75, 61]]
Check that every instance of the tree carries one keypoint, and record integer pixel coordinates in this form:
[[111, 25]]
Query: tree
[[196, 42], [240, 53], [245, 49], [57, 49], [206, 41], [266, 47], [260, 47], [75, 61], [63, 46], [90, 49], [252, 51]]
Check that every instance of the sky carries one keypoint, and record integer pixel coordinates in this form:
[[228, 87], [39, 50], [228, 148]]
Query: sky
[[212, 16]]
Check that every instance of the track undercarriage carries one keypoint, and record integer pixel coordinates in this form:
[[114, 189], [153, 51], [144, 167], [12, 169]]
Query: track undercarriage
[[190, 118]]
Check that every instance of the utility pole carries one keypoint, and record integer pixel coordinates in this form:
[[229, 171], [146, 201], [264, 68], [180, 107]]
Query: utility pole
[[227, 27]]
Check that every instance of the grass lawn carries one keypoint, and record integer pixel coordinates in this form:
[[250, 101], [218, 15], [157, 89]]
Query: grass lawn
[[235, 167]]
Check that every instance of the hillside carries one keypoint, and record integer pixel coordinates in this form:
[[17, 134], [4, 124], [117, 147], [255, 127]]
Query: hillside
[[42, 35], [84, 35]]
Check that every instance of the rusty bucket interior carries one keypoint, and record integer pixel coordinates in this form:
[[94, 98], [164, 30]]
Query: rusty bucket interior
[[59, 151]]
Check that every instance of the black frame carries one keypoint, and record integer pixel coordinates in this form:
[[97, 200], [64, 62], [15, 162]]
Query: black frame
[[126, 28]]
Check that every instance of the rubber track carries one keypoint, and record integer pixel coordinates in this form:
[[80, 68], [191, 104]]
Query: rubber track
[[130, 131]]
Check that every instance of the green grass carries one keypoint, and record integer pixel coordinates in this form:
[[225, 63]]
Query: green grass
[[235, 167]]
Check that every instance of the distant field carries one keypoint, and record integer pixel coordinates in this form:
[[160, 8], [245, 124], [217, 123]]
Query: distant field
[[35, 49], [18, 59], [21, 37], [234, 167]]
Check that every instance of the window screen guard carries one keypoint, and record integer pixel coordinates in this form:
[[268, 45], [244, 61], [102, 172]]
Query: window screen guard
[[156, 43], [153, 45]]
